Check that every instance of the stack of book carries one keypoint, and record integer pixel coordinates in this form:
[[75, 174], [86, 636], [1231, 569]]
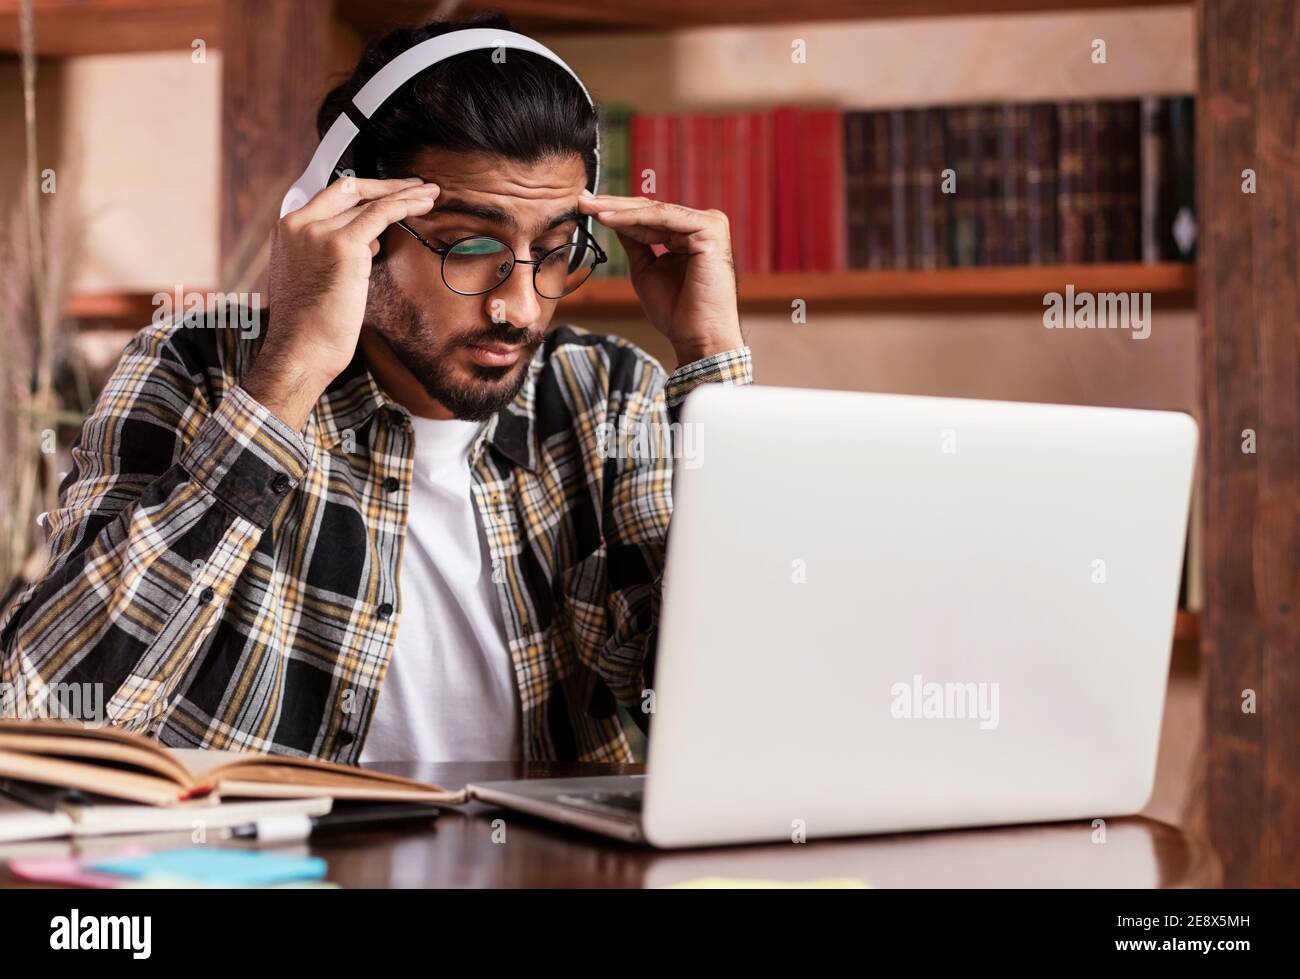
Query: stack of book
[[61, 778], [814, 189]]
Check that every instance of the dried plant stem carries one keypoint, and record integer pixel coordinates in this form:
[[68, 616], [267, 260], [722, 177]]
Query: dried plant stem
[[46, 317]]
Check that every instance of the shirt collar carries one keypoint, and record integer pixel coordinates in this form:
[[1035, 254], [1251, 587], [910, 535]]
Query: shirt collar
[[354, 396]]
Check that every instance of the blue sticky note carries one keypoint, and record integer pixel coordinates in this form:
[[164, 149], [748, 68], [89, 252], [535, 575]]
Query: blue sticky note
[[217, 865]]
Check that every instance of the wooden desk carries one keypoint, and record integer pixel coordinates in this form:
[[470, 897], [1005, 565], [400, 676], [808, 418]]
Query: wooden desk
[[458, 851]]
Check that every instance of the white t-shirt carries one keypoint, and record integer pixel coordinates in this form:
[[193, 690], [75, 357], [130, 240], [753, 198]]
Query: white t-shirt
[[449, 693]]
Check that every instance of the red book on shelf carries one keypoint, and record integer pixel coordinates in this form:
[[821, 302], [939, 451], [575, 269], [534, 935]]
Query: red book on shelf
[[788, 140], [656, 168], [653, 150], [732, 173], [822, 182], [698, 152], [745, 187], [760, 189]]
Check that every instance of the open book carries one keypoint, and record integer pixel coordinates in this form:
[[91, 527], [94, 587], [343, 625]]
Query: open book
[[116, 763]]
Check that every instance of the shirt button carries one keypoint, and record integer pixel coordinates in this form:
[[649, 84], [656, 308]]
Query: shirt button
[[346, 737], [280, 485], [385, 610], [206, 595], [392, 484]]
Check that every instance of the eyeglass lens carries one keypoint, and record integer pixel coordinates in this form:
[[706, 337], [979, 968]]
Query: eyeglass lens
[[477, 265]]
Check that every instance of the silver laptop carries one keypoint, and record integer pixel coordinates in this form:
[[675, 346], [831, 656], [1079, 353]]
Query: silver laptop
[[887, 613]]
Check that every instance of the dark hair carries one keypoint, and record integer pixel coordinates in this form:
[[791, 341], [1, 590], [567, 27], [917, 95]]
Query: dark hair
[[525, 108]]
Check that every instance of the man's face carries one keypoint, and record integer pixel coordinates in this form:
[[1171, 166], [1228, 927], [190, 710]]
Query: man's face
[[471, 353]]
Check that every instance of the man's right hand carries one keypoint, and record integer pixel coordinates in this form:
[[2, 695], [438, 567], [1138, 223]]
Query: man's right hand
[[320, 275]]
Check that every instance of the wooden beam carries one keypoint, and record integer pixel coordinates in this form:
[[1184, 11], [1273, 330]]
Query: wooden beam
[[1249, 119], [66, 28], [78, 27], [373, 17], [273, 77]]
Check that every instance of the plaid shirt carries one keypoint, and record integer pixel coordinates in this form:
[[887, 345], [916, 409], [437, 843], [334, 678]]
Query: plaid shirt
[[233, 583]]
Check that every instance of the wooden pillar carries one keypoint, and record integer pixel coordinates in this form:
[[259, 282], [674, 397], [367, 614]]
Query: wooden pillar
[[273, 75], [1248, 119]]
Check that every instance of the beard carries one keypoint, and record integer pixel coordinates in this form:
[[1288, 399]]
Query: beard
[[409, 333]]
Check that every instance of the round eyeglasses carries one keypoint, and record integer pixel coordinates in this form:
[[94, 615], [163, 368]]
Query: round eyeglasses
[[477, 264]]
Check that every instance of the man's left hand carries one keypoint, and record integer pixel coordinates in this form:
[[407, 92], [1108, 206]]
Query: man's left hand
[[689, 292]]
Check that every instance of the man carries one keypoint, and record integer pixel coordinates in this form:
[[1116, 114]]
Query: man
[[391, 527]]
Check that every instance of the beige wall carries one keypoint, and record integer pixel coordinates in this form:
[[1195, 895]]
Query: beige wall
[[142, 157], [892, 62], [143, 141]]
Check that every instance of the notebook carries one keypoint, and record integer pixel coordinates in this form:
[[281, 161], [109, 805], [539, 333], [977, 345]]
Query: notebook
[[20, 820], [135, 768]]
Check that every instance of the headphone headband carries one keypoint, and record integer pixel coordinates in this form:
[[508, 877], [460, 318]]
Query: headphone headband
[[393, 76]]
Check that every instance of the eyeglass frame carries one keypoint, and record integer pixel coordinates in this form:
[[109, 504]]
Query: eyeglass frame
[[442, 250]]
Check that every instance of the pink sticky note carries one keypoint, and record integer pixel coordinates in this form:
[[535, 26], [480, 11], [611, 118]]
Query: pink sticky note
[[70, 871]]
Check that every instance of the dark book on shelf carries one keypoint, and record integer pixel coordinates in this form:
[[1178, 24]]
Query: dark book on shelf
[[964, 215], [1156, 192], [614, 123], [1126, 182], [1040, 185], [880, 188], [1070, 199], [991, 244], [1096, 156], [857, 199], [929, 202], [899, 253], [1013, 153]]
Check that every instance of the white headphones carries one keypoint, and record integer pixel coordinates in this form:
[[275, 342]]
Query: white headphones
[[388, 80]]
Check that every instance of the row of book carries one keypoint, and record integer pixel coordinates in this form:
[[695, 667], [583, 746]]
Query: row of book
[[812, 189]]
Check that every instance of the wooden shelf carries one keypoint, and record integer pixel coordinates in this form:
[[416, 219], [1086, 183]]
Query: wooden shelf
[[1172, 284], [112, 310]]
